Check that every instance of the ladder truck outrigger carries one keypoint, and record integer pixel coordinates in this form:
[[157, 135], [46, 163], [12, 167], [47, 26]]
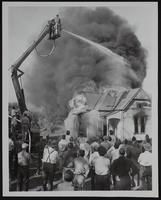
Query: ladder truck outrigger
[[53, 28]]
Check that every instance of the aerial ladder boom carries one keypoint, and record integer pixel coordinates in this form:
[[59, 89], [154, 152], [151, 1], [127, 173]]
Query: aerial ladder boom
[[53, 29], [16, 73], [15, 69]]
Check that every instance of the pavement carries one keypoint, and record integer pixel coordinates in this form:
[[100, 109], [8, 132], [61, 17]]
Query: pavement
[[36, 182]]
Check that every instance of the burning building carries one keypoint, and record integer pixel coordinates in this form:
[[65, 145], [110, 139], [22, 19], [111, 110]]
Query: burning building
[[127, 112], [97, 47]]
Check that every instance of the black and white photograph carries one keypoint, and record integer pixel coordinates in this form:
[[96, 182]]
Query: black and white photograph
[[80, 89]]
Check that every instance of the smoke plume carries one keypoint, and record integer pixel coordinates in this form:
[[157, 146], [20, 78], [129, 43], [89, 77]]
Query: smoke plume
[[76, 65]]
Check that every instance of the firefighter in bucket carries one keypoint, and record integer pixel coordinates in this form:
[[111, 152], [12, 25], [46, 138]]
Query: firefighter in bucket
[[54, 28]]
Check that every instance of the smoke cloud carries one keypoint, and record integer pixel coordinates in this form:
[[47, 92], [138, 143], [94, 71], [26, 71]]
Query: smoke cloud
[[76, 65]]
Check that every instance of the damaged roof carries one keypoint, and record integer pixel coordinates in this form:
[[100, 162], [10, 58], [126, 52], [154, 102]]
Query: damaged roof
[[114, 99]]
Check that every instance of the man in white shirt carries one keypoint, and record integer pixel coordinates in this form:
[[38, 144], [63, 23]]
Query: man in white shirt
[[87, 149], [68, 136], [50, 159], [81, 170], [115, 153], [145, 161], [102, 165], [94, 155], [62, 145]]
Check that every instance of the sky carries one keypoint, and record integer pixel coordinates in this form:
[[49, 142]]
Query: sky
[[25, 23]]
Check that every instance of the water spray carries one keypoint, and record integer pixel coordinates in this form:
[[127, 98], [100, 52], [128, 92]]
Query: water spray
[[101, 48]]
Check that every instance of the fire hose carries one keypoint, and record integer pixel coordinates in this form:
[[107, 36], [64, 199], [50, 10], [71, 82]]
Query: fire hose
[[49, 54]]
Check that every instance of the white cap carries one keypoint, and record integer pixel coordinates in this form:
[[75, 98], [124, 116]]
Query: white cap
[[24, 145]]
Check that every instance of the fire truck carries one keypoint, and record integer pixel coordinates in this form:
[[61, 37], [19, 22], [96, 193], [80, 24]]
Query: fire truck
[[53, 31]]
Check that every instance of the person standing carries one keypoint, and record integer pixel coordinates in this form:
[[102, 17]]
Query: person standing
[[106, 143], [113, 137], [132, 152], [51, 28], [13, 125], [66, 185], [40, 148], [11, 162], [102, 170], [23, 168], [49, 162], [147, 144], [81, 170], [145, 161], [57, 26], [67, 136], [25, 124], [62, 147], [94, 155], [121, 168], [69, 156], [87, 149], [113, 154]]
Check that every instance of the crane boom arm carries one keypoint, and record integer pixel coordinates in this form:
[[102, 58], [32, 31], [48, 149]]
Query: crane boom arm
[[20, 60], [15, 69]]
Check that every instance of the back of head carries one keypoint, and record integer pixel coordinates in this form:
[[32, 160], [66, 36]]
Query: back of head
[[147, 139], [111, 132], [68, 175], [49, 142], [67, 132], [105, 138], [102, 150], [70, 145], [63, 137], [71, 139], [122, 151], [100, 139], [81, 153], [54, 144], [128, 153], [143, 149], [94, 146], [117, 144], [133, 139], [109, 139]]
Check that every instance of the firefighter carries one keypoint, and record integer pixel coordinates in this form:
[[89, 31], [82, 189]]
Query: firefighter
[[51, 29], [13, 122], [25, 123], [57, 26]]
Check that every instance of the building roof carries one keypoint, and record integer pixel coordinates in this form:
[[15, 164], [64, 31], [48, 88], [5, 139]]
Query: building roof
[[114, 99], [92, 99]]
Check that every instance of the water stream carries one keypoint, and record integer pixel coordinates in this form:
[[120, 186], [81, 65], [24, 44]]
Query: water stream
[[101, 48]]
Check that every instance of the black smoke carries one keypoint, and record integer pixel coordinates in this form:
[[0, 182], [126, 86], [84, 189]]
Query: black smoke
[[75, 65]]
